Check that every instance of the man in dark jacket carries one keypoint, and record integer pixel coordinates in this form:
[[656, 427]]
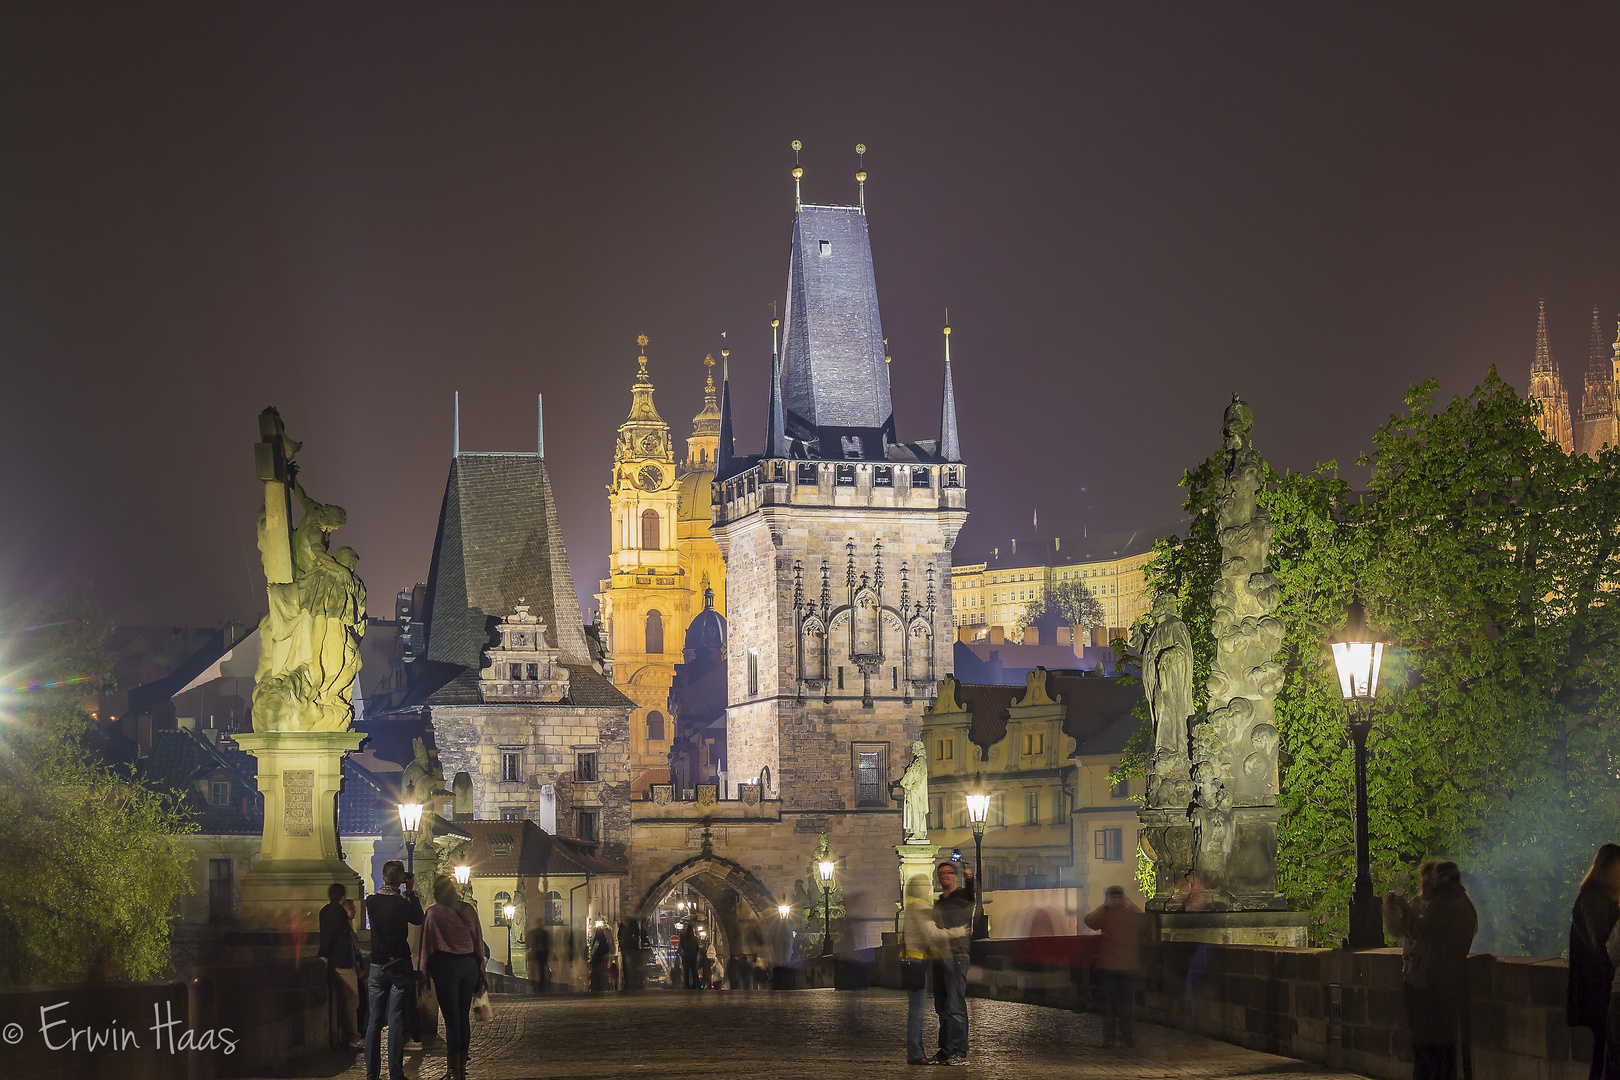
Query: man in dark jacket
[[953, 913], [393, 910], [1437, 932], [337, 947]]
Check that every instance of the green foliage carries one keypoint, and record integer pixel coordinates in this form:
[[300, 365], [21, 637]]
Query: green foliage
[[1487, 558], [1073, 602], [93, 866]]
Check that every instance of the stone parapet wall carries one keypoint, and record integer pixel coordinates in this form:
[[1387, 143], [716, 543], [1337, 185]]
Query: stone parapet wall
[[1342, 1009]]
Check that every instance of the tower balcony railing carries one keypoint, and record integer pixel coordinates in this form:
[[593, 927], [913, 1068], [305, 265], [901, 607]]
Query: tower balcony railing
[[887, 485]]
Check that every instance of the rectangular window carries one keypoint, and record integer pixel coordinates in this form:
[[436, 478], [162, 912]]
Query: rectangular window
[[921, 478], [998, 811], [952, 478], [806, 472], [221, 891], [936, 812], [1121, 790], [1107, 846], [220, 792], [869, 777], [509, 768], [844, 475], [585, 765], [840, 678], [753, 672], [1032, 808], [961, 812], [587, 829], [517, 671], [883, 476], [1035, 743], [534, 671], [944, 749], [894, 678], [514, 813]]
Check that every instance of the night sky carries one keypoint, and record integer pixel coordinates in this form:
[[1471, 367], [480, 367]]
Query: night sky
[[352, 211]]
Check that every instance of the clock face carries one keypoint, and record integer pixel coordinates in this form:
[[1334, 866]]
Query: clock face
[[650, 477], [650, 444]]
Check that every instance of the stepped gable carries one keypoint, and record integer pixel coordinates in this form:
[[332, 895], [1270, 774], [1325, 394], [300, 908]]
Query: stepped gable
[[499, 544]]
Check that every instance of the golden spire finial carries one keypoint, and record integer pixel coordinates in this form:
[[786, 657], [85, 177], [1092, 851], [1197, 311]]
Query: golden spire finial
[[798, 174], [947, 335], [641, 339], [860, 175], [708, 375]]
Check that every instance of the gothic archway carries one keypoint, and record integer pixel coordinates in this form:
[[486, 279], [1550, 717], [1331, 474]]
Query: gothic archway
[[745, 907]]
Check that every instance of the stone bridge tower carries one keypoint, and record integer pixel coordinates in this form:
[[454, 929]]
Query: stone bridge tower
[[837, 541]]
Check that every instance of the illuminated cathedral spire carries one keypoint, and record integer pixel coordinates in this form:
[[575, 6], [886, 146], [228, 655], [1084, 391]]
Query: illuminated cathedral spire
[[1547, 390]]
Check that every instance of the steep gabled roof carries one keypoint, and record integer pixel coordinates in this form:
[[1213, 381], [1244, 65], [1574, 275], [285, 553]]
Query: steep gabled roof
[[833, 374], [524, 849], [499, 544]]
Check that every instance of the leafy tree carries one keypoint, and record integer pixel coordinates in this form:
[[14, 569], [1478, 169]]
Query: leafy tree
[[1489, 559], [93, 863], [1072, 601]]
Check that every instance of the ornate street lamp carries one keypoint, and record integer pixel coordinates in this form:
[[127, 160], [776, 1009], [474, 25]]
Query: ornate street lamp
[[1358, 656], [784, 910], [978, 806], [825, 866], [463, 874], [410, 823], [510, 911]]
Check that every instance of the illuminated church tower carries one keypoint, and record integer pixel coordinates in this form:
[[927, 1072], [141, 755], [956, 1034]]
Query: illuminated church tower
[[661, 555], [838, 542], [1598, 425], [1547, 389]]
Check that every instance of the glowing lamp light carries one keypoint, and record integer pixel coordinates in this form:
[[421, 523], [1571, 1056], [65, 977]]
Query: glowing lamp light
[[825, 866], [510, 910], [1357, 656], [784, 909], [463, 874], [703, 933], [410, 815], [600, 924], [680, 925]]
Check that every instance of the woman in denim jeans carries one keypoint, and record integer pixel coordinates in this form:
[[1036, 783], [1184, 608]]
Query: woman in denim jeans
[[453, 955]]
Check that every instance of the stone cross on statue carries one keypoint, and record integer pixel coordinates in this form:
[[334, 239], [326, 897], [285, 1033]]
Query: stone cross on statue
[[273, 461]]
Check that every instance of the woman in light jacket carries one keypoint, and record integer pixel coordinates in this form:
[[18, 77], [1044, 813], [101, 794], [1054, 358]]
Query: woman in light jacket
[[924, 943]]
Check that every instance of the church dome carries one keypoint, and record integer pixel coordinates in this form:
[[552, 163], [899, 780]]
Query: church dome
[[708, 627], [697, 496]]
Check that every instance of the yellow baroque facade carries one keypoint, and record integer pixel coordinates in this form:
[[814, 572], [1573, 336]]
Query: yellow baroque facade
[[662, 558]]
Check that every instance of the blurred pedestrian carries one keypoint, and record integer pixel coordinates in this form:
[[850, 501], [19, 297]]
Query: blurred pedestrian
[[338, 948], [392, 910], [538, 939], [688, 949], [452, 954], [601, 955], [924, 945], [1435, 933], [953, 911], [362, 1014], [1591, 973], [1121, 924]]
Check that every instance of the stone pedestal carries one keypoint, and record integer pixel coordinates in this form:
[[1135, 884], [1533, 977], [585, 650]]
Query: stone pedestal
[[300, 773], [1286, 929], [915, 859]]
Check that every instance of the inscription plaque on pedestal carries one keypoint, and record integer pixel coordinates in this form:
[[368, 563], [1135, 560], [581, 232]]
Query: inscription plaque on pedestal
[[298, 801]]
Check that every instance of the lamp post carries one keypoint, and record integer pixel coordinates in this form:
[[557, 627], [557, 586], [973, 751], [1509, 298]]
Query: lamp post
[[1358, 656], [510, 911], [978, 804], [825, 866], [410, 823]]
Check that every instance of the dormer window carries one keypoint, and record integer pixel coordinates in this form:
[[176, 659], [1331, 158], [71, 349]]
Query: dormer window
[[852, 447], [826, 248], [220, 793]]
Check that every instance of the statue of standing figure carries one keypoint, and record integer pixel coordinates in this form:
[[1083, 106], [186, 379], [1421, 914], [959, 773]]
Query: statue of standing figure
[[309, 639], [1167, 660], [913, 785]]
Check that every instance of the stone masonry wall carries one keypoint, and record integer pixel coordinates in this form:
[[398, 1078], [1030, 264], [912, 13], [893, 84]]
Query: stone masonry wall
[[472, 738]]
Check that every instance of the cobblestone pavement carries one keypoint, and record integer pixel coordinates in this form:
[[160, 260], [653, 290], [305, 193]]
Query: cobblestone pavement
[[681, 1036]]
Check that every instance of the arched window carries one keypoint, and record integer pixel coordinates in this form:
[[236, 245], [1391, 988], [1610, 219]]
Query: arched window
[[655, 725], [649, 532], [502, 898], [655, 628]]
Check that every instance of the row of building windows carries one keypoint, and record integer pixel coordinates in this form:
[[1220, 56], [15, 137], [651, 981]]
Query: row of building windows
[[584, 764]]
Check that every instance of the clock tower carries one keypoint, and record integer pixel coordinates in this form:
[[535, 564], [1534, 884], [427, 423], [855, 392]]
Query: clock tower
[[647, 597]]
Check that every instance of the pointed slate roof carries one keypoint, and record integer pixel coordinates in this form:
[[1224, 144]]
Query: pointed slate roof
[[950, 446], [499, 544], [832, 364]]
